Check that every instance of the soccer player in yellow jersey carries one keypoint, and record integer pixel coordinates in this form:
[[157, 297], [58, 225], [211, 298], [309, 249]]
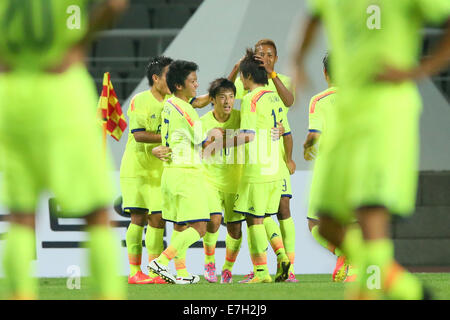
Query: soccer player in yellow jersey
[[183, 182], [45, 87], [140, 171], [368, 161], [320, 112], [258, 192], [282, 237]]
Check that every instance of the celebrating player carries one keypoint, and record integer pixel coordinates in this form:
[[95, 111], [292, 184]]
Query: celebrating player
[[258, 192], [182, 183], [368, 159], [140, 172], [45, 87], [320, 112], [282, 237]]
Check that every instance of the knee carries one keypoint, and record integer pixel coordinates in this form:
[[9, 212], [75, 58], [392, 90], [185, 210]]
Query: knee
[[235, 230]]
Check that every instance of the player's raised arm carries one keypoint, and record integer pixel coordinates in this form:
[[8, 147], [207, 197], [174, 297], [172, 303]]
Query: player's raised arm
[[307, 38], [200, 101]]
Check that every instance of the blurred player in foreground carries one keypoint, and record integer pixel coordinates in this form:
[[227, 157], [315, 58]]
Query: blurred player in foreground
[[368, 162], [282, 236], [45, 88], [321, 110]]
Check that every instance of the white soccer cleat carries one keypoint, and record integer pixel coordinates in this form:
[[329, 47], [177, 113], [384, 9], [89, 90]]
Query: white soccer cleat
[[189, 280], [162, 271]]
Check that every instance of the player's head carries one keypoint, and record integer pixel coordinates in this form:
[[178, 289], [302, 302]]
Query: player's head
[[326, 68], [182, 78], [267, 49], [252, 71], [156, 73], [222, 92]]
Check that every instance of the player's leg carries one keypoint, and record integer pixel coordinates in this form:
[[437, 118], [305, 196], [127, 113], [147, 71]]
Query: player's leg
[[209, 246], [286, 222], [180, 258], [233, 242], [19, 251], [154, 237], [258, 240], [233, 239]]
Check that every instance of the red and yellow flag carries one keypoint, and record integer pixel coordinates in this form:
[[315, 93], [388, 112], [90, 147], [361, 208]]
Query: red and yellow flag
[[110, 111]]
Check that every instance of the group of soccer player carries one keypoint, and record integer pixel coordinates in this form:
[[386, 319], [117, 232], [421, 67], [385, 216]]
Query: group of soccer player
[[187, 170]]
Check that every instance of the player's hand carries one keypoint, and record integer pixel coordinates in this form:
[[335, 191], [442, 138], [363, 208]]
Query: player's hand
[[215, 133], [291, 166], [163, 153], [277, 132], [309, 153], [264, 63], [390, 74]]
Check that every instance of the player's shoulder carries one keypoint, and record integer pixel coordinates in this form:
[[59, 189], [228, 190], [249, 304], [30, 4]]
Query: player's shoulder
[[207, 116], [321, 98]]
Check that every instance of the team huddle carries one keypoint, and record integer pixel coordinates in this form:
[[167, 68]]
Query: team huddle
[[188, 170]]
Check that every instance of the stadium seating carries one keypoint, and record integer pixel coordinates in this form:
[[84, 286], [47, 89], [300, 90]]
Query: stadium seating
[[125, 57]]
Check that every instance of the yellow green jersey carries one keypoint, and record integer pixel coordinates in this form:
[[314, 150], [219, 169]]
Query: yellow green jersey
[[181, 130], [367, 35], [320, 109], [260, 111], [36, 34], [144, 114], [223, 169]]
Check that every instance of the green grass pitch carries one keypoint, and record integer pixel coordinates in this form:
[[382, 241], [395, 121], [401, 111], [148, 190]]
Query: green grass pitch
[[309, 287]]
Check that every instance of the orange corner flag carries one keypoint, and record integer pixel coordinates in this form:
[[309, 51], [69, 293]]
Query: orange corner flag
[[110, 111]]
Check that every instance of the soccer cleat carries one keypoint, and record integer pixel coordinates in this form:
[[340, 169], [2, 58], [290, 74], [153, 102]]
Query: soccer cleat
[[140, 278], [187, 280], [227, 277], [162, 271], [283, 270], [248, 277], [340, 270], [291, 278], [261, 277], [210, 272], [351, 274]]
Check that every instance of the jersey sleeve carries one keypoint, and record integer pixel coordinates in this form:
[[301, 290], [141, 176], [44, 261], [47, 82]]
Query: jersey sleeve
[[436, 11], [248, 116], [138, 117], [315, 116]]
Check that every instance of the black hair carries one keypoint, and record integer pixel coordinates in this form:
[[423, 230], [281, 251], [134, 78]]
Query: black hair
[[250, 66], [178, 72], [156, 66], [220, 84], [326, 64]]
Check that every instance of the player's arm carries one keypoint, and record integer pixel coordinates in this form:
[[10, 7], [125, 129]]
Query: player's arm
[[307, 39], [288, 142], [285, 94], [309, 150], [428, 67], [147, 137], [233, 74], [200, 101]]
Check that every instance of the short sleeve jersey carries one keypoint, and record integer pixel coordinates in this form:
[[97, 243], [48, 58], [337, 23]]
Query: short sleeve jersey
[[366, 35], [223, 169], [319, 110], [36, 34], [181, 130], [260, 110], [144, 114]]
